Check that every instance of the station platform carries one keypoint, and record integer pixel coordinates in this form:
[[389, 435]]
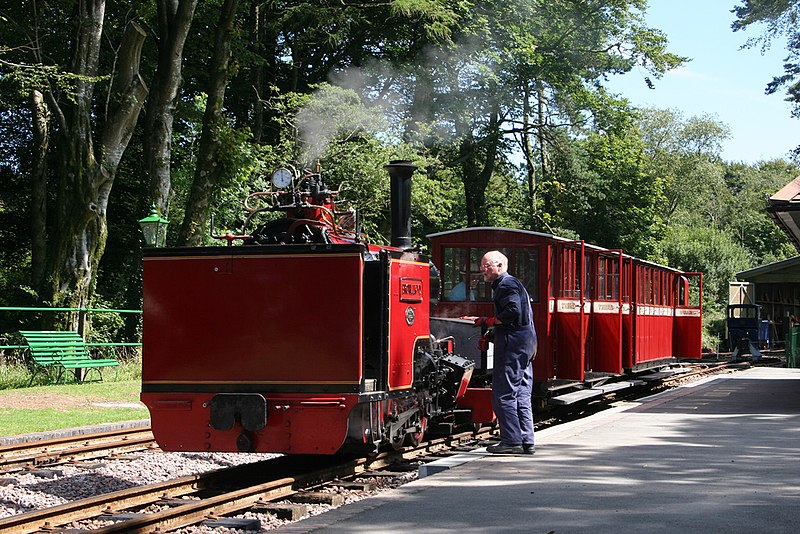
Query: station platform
[[720, 455]]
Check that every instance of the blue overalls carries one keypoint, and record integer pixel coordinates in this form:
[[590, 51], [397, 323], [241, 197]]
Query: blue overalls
[[514, 350]]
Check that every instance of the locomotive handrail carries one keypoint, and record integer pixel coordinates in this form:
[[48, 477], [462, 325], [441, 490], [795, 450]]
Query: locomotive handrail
[[252, 209]]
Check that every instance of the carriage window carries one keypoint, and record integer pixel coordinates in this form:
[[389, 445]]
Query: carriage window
[[483, 291], [607, 287], [570, 286], [525, 266], [454, 274], [589, 291], [462, 277]]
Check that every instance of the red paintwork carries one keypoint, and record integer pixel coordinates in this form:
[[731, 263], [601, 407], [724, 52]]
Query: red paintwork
[[248, 339], [653, 340], [606, 319], [479, 400], [410, 290], [572, 307], [606, 342], [296, 424], [688, 339], [248, 334], [580, 325]]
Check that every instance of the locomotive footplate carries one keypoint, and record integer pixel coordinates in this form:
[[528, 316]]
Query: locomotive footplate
[[249, 409]]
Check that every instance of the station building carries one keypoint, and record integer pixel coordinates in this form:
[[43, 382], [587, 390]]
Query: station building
[[776, 286]]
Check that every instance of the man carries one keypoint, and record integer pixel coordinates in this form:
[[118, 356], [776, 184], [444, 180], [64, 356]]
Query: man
[[514, 350]]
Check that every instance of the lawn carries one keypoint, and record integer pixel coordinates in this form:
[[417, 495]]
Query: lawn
[[51, 407]]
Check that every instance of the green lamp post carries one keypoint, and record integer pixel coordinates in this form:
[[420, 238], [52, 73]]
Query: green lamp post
[[154, 228]]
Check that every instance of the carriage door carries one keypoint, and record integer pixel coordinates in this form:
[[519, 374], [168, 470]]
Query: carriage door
[[687, 341], [570, 317], [606, 316], [627, 287]]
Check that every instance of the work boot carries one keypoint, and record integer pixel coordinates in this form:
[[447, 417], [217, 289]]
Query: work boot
[[503, 448], [528, 448]]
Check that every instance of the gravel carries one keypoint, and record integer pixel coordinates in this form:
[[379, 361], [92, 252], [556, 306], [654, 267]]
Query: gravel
[[42, 488]]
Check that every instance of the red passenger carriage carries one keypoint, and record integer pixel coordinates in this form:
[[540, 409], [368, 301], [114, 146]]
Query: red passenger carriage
[[597, 312]]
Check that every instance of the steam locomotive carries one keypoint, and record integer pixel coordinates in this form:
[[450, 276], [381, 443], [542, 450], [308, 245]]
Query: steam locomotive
[[308, 339]]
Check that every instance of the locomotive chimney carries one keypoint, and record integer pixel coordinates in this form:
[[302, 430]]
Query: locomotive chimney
[[400, 172]]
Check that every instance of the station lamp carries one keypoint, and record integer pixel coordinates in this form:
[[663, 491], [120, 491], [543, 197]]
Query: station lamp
[[154, 228]]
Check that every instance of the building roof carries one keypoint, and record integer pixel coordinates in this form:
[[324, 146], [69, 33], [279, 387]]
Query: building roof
[[784, 207], [783, 271]]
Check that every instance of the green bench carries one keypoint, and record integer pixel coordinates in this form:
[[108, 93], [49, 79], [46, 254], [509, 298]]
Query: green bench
[[61, 351]]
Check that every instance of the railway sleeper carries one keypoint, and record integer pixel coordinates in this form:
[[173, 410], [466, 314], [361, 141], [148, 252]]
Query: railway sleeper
[[240, 523], [292, 512], [318, 497]]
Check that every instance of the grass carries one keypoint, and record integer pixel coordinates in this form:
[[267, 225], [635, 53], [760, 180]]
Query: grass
[[56, 406]]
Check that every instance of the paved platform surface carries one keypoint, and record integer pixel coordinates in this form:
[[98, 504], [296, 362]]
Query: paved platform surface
[[718, 456]]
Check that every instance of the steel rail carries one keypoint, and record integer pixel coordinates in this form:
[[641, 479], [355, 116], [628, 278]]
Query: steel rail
[[195, 511], [91, 507], [15, 457]]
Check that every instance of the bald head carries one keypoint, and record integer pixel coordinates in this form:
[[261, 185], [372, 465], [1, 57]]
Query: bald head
[[493, 264]]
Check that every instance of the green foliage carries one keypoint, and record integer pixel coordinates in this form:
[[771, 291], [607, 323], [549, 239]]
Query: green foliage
[[608, 196], [506, 201], [684, 153], [710, 251], [746, 218]]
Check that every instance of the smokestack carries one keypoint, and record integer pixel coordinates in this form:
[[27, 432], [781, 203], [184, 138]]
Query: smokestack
[[400, 172]]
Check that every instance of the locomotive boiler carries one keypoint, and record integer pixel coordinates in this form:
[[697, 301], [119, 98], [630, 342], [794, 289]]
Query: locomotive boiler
[[300, 336]]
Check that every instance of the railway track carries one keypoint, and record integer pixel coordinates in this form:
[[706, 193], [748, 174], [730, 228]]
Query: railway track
[[57, 451], [254, 488], [202, 498]]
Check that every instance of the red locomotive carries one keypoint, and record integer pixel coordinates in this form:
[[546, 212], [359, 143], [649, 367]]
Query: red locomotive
[[306, 339]]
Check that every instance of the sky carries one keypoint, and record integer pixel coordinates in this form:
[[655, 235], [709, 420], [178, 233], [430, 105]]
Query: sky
[[721, 79]]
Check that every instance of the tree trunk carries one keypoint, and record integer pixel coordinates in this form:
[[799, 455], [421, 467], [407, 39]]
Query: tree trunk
[[208, 172], [174, 20], [527, 151], [421, 110], [80, 232], [476, 177], [41, 142], [544, 160]]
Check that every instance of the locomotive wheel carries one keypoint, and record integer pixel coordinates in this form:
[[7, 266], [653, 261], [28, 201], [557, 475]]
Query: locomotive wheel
[[413, 438], [397, 442]]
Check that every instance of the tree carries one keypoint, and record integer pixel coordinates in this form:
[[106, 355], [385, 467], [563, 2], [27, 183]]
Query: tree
[[529, 68], [91, 134], [208, 172], [174, 18], [685, 154], [780, 18], [609, 197]]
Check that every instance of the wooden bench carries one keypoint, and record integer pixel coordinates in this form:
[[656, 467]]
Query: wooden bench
[[61, 351]]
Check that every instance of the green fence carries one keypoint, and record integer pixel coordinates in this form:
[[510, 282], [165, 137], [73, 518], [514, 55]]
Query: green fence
[[82, 321]]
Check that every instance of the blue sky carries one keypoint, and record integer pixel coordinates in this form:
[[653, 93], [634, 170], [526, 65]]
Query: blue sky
[[721, 80]]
